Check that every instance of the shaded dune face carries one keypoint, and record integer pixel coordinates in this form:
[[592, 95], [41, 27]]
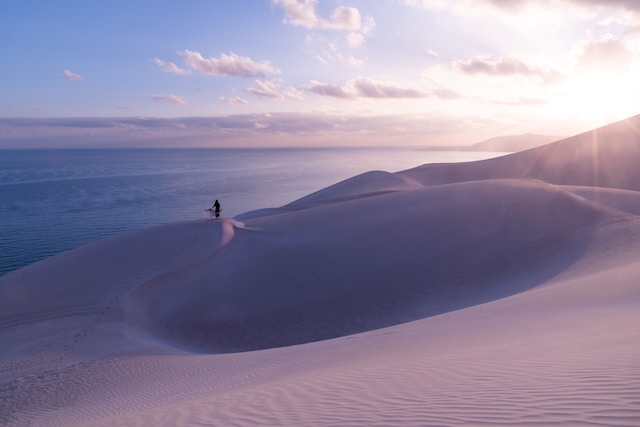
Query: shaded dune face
[[306, 276]]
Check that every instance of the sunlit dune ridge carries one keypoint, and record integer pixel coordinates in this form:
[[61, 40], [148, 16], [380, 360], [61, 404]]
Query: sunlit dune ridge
[[605, 157], [498, 292]]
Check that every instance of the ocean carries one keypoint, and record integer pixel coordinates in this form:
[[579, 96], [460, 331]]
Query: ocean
[[55, 200]]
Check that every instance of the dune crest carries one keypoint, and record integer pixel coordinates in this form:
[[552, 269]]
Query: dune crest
[[604, 157]]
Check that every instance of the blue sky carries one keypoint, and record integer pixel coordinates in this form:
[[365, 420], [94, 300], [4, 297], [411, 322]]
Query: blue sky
[[287, 72]]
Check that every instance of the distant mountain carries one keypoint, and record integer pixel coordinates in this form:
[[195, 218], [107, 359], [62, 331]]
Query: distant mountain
[[513, 143]]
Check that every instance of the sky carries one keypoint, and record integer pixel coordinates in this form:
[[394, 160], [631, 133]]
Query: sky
[[202, 73]]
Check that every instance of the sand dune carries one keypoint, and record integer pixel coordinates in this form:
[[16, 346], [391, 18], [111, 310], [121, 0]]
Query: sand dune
[[605, 157], [501, 292]]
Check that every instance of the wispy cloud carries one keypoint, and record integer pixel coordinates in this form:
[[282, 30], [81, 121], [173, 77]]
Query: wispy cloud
[[523, 101], [627, 4], [245, 129], [171, 67], [604, 54], [532, 12], [364, 87], [505, 66], [330, 52], [304, 13], [125, 107], [514, 5], [355, 39], [227, 65], [272, 89], [236, 100], [172, 99], [70, 75]]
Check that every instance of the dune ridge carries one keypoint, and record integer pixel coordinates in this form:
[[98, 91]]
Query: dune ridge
[[500, 292], [604, 157]]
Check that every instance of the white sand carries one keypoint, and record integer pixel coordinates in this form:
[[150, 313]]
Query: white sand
[[501, 292]]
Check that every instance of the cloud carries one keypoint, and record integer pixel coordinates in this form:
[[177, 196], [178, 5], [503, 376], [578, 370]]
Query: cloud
[[234, 101], [331, 53], [171, 67], [303, 13], [355, 39], [432, 53], [523, 102], [271, 89], [230, 130], [326, 89], [505, 66], [368, 88], [227, 65], [445, 93], [70, 75], [501, 66], [605, 55], [515, 5], [520, 14], [172, 99], [345, 18], [632, 5], [125, 107], [363, 87]]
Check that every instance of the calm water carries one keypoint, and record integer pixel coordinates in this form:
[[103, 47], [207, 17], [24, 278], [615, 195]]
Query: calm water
[[55, 200]]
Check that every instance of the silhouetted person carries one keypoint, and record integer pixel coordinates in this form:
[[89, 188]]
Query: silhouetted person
[[216, 208]]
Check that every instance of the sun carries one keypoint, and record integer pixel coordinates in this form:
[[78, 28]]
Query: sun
[[600, 95]]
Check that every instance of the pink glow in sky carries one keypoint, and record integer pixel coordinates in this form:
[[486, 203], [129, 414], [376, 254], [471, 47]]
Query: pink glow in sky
[[285, 72]]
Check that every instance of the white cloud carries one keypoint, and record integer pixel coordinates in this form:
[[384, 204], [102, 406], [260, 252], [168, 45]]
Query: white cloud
[[172, 99], [171, 67], [368, 88], [632, 5], [352, 60], [227, 65], [70, 75], [523, 102], [327, 89], [303, 13], [368, 26], [505, 66], [272, 89], [355, 39], [364, 87], [606, 54], [236, 100], [332, 53], [345, 18], [322, 59], [517, 6]]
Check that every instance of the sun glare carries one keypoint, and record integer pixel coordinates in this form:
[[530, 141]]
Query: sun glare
[[601, 96]]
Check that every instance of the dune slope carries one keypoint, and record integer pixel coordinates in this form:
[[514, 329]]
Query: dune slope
[[407, 255], [604, 157], [502, 292]]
